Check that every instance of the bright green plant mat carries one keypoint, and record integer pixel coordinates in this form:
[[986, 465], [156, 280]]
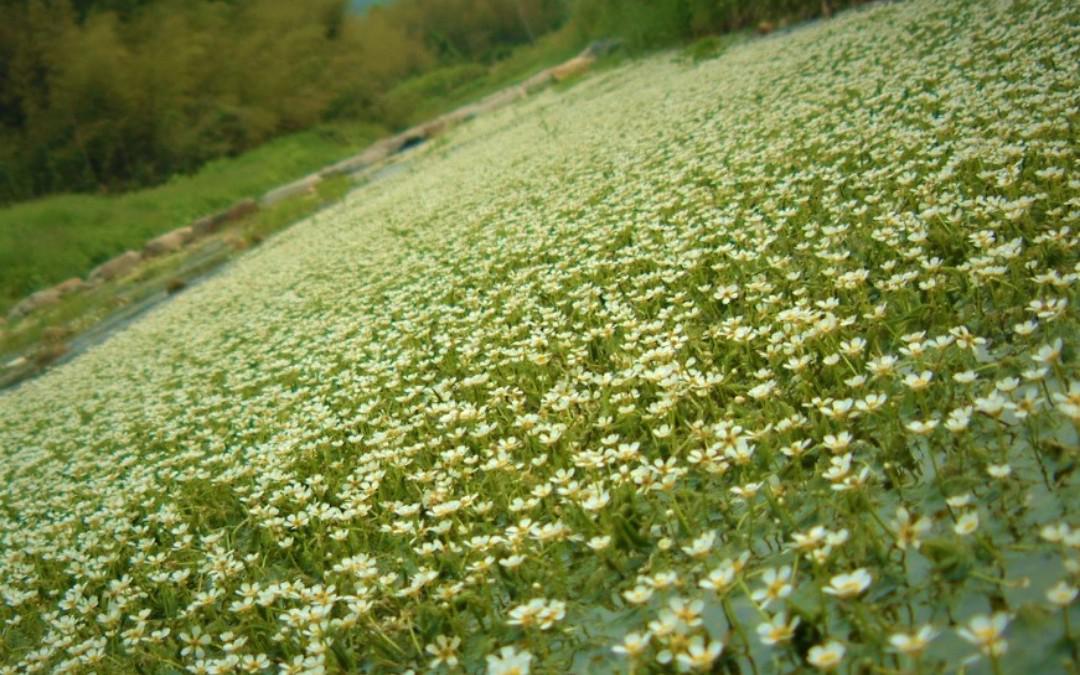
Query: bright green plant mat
[[691, 351]]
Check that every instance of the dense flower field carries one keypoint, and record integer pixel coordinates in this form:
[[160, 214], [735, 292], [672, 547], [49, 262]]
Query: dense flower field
[[763, 364]]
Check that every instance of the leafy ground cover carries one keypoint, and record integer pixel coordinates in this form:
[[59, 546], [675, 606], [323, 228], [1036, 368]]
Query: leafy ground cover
[[764, 363]]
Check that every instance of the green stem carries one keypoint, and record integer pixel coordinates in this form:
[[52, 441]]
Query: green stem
[[734, 625], [1068, 634]]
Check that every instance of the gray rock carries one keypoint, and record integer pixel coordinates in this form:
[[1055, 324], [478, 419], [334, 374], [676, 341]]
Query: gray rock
[[72, 285], [32, 303], [575, 66], [241, 209], [208, 224], [538, 81], [117, 267], [169, 242], [166, 243]]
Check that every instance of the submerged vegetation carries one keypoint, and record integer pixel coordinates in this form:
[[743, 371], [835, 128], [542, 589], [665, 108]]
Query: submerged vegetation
[[742, 364]]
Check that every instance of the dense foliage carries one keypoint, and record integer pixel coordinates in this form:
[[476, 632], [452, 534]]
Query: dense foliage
[[751, 365], [104, 95]]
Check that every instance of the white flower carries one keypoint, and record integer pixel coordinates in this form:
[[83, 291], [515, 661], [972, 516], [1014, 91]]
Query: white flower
[[849, 585], [922, 427], [1062, 594], [986, 633], [918, 381], [966, 524], [444, 650], [509, 661], [965, 377], [908, 532], [959, 419], [719, 579], [512, 561], [595, 500], [194, 642], [662, 580], [599, 543], [689, 612], [538, 612], [837, 443], [960, 501], [1055, 533], [698, 655], [1069, 404], [827, 656], [638, 595], [776, 586], [701, 546], [633, 645], [998, 470], [1049, 354], [913, 643], [777, 629]]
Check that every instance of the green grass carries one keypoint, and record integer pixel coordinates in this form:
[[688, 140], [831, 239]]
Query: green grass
[[265, 222], [40, 334], [431, 94], [48, 240], [712, 46]]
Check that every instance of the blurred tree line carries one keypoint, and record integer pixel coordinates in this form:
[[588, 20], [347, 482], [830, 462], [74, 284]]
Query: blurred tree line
[[109, 94], [105, 95]]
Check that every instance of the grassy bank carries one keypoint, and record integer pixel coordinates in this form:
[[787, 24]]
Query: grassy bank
[[431, 94], [49, 333], [45, 241], [48, 240]]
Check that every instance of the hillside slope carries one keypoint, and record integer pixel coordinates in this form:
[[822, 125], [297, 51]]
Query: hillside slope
[[767, 361]]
